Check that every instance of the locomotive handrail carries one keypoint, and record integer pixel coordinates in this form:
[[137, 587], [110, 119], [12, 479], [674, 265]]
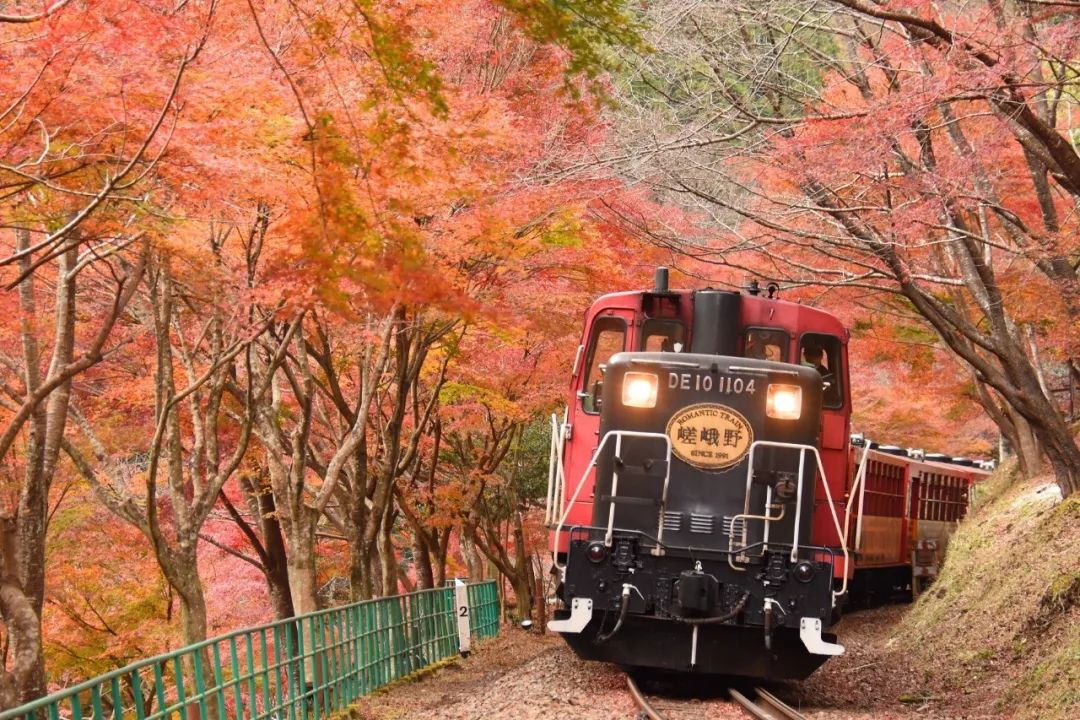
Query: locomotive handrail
[[551, 470], [803, 449], [862, 507], [618, 434], [857, 486], [556, 476], [665, 363], [615, 483], [577, 361], [762, 371]]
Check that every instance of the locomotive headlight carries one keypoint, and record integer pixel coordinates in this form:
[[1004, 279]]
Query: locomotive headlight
[[784, 402], [639, 390]]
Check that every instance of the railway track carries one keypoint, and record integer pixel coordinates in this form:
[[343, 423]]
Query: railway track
[[763, 705]]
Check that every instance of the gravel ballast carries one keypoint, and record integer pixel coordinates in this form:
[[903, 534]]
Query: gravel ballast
[[526, 676]]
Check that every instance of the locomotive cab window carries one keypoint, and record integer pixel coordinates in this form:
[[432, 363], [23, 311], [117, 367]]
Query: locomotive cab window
[[822, 352], [608, 337], [766, 344], [662, 336]]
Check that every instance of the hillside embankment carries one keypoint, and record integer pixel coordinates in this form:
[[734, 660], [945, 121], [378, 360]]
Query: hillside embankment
[[998, 633]]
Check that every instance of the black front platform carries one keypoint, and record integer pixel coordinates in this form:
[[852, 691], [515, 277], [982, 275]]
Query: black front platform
[[721, 650], [663, 597]]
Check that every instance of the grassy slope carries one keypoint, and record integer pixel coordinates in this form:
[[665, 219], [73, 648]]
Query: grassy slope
[[1002, 623]]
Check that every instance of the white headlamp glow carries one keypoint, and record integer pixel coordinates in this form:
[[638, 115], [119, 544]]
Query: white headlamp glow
[[784, 402], [639, 389]]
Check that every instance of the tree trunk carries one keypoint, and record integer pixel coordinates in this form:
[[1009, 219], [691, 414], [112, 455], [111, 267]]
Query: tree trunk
[[1064, 457], [387, 557], [303, 585], [1014, 428], [376, 578], [523, 598], [277, 565], [440, 556], [301, 565], [45, 431], [1029, 457], [23, 624], [24, 640], [425, 576], [473, 562], [192, 612], [360, 581], [1025, 397], [524, 581], [181, 572]]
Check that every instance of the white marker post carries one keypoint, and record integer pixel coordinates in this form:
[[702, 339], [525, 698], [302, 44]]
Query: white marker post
[[461, 610]]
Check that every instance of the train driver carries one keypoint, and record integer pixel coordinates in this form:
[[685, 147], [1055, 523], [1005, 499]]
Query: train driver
[[814, 356]]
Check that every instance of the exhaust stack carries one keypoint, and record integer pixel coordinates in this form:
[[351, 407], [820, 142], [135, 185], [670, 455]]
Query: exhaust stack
[[661, 280]]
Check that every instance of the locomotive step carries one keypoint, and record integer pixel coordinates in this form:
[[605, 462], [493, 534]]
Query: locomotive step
[[654, 469]]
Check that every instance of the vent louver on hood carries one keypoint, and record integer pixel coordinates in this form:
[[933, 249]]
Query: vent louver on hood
[[672, 521], [704, 524]]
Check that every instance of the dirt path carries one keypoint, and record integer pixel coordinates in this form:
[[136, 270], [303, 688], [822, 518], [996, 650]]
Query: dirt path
[[523, 676]]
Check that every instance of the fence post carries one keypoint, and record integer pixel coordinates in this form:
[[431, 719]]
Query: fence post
[[461, 611]]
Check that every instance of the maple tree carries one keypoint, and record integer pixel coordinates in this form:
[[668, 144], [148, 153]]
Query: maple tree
[[246, 243], [194, 447], [343, 450], [915, 154], [69, 173]]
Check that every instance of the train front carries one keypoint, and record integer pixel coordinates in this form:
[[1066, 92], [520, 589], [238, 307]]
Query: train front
[[698, 556]]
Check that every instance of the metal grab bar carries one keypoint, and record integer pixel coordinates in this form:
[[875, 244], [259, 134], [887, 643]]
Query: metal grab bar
[[765, 539], [556, 478], [618, 434], [857, 487], [803, 449]]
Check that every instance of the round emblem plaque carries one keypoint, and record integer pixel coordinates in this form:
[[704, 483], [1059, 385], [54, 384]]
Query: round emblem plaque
[[709, 436]]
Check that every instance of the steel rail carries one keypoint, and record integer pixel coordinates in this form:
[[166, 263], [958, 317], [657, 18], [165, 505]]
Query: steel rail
[[647, 709], [766, 706]]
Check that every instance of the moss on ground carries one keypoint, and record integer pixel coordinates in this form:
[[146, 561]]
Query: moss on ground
[[1004, 616]]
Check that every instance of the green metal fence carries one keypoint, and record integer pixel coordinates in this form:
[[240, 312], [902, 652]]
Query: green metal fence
[[304, 668], [483, 610]]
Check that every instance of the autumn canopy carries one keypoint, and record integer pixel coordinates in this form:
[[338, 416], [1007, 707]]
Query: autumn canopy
[[289, 286]]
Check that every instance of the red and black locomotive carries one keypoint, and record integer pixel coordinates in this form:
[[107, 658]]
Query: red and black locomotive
[[704, 495]]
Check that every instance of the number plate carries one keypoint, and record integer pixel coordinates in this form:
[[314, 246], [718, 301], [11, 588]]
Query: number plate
[[710, 383]]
